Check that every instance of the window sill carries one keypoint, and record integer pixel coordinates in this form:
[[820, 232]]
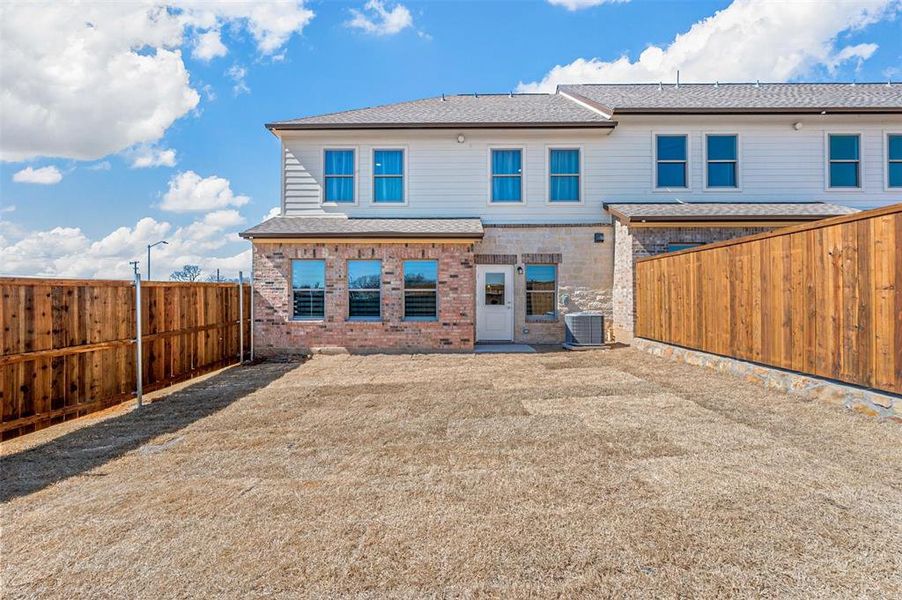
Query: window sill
[[420, 319], [364, 319], [543, 319], [308, 319]]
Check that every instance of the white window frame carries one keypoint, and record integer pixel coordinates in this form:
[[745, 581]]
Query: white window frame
[[705, 162], [654, 162], [350, 289], [886, 186], [522, 200], [827, 161], [405, 176], [582, 194], [291, 289], [404, 316], [322, 192]]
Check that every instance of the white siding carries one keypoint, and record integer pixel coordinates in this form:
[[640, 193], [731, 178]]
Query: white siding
[[446, 178]]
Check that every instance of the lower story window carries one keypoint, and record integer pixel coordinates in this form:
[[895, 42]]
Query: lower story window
[[541, 291], [677, 246], [308, 289], [364, 278], [421, 289]]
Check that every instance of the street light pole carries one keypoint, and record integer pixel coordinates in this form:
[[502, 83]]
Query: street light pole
[[149, 246]]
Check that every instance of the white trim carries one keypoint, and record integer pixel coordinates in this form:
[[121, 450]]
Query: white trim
[[581, 174], [848, 190], [886, 186], [654, 162], [738, 161], [405, 176], [489, 179], [322, 171], [284, 163], [586, 105]]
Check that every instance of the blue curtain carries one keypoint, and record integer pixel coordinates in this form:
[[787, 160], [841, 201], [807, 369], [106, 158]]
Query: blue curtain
[[895, 147], [564, 188], [721, 147], [388, 162], [388, 189], [506, 162], [339, 189], [843, 147], [671, 147], [722, 174], [844, 174], [672, 175], [564, 162], [506, 189], [339, 162]]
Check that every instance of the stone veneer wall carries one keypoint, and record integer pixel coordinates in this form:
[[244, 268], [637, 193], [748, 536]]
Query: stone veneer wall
[[277, 334], [585, 272], [632, 243]]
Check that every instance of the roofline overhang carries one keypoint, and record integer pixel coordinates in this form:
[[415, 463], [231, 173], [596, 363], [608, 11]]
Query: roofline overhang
[[275, 127], [387, 235], [759, 111]]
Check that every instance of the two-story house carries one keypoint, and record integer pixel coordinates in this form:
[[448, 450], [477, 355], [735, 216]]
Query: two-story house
[[438, 223]]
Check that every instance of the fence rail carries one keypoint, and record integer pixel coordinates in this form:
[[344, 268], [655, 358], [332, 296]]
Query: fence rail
[[823, 298], [68, 346]]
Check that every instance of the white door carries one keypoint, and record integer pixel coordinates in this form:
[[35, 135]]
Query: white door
[[494, 303]]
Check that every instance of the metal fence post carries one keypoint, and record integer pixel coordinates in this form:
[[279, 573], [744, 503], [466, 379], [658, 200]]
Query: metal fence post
[[240, 317], [139, 369]]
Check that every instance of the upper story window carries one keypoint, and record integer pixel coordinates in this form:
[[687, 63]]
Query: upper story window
[[894, 160], [308, 289], [722, 154], [844, 161], [421, 289], [671, 156], [364, 289], [388, 176], [563, 174], [507, 175], [339, 175]]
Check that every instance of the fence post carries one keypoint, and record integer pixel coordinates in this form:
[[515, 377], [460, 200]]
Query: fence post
[[240, 317], [139, 369]]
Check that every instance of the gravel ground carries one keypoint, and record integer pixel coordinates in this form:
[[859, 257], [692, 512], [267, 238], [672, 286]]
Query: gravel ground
[[604, 473]]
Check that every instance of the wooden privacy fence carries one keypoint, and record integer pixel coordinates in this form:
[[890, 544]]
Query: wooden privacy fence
[[68, 346], [823, 298]]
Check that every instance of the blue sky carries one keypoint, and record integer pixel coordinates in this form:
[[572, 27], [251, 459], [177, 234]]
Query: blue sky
[[73, 192]]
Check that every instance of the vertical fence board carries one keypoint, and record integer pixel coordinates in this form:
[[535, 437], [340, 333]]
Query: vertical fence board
[[824, 298]]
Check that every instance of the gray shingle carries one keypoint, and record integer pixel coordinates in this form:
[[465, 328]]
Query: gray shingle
[[715, 211], [738, 97], [320, 227], [459, 111]]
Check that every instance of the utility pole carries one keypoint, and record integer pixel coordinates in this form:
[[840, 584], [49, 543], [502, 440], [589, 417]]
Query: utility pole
[[134, 264]]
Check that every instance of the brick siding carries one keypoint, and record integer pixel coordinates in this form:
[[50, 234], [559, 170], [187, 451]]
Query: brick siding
[[277, 334]]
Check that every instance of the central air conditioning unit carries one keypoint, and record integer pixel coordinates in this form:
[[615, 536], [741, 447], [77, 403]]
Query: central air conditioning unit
[[584, 330]]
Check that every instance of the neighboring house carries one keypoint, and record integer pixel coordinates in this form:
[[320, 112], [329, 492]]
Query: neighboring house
[[437, 223]]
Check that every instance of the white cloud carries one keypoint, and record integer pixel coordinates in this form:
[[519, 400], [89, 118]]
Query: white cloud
[[748, 40], [44, 176], [84, 80], [237, 73], [275, 211], [100, 166], [581, 4], [188, 192], [144, 157], [68, 252], [374, 18], [208, 45]]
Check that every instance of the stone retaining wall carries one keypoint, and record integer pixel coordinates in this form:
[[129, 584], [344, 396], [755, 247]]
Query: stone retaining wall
[[861, 400]]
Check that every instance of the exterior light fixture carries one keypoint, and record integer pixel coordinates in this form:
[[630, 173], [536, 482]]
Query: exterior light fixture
[[797, 125], [460, 138], [519, 269], [149, 246], [599, 238]]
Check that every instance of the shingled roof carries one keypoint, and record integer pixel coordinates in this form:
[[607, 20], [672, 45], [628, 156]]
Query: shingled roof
[[627, 212], [340, 227], [706, 98], [472, 111]]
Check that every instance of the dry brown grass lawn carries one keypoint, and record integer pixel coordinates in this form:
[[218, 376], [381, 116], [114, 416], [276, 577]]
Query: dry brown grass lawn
[[574, 475]]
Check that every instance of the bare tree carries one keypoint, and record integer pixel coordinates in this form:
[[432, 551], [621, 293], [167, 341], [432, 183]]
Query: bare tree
[[188, 273]]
